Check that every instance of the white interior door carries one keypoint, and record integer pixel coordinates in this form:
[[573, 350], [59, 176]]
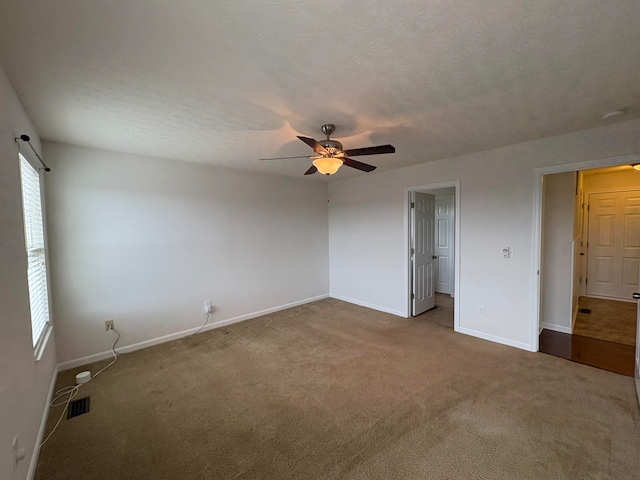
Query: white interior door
[[422, 249], [613, 244], [444, 222]]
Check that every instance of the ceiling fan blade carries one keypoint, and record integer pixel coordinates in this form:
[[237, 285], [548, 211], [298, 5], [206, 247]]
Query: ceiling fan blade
[[350, 162], [284, 158], [311, 170], [370, 150], [313, 144]]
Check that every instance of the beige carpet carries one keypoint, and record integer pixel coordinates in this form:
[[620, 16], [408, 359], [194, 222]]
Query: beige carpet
[[330, 390], [611, 320]]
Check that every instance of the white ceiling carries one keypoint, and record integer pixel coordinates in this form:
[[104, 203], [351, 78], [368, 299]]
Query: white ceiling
[[228, 82]]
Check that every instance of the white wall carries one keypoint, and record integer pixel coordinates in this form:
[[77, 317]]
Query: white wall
[[557, 239], [24, 382], [623, 179], [145, 241], [366, 228]]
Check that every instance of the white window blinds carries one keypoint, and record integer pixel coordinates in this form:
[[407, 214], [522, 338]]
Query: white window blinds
[[34, 238]]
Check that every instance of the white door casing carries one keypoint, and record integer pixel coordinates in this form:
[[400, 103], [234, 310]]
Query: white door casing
[[444, 239], [613, 244], [637, 372], [637, 369], [582, 250], [422, 244]]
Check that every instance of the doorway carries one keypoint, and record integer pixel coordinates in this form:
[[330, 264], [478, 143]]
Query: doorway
[[590, 262], [439, 228], [442, 315], [539, 174]]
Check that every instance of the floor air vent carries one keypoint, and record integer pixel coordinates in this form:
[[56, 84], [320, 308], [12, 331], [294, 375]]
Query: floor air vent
[[78, 407], [584, 310]]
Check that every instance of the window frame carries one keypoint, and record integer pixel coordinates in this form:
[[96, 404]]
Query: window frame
[[36, 252]]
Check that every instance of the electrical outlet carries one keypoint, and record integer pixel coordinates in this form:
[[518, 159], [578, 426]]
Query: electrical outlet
[[108, 325], [207, 307]]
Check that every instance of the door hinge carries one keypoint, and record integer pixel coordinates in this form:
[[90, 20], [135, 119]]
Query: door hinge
[[588, 207], [412, 296], [413, 204], [413, 251], [586, 280]]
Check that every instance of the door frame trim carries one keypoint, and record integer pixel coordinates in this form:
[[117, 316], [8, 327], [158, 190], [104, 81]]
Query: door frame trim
[[538, 175], [456, 242]]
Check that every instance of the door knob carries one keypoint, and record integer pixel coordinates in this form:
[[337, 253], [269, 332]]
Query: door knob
[[636, 295], [582, 254], [435, 257]]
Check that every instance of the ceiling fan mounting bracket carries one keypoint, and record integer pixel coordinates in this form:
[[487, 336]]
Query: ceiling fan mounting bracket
[[328, 129], [332, 146]]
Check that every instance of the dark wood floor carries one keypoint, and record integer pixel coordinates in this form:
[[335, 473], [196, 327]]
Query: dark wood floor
[[611, 356], [604, 336]]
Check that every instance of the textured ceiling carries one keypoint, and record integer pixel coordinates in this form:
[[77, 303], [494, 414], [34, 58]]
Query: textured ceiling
[[228, 82]]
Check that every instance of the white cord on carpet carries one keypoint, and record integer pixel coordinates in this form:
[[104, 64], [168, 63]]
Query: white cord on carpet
[[71, 391]]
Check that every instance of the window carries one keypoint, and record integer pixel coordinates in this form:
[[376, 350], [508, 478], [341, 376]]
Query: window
[[34, 239]]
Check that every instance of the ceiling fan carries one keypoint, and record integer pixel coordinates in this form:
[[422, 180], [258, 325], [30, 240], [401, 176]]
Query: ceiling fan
[[329, 155]]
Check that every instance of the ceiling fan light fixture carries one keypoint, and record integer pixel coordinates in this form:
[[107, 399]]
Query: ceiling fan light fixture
[[636, 166], [327, 165], [329, 156]]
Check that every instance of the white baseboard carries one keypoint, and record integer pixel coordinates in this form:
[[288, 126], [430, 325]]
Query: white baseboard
[[495, 338], [556, 328], [43, 425], [174, 336], [617, 299], [369, 305]]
